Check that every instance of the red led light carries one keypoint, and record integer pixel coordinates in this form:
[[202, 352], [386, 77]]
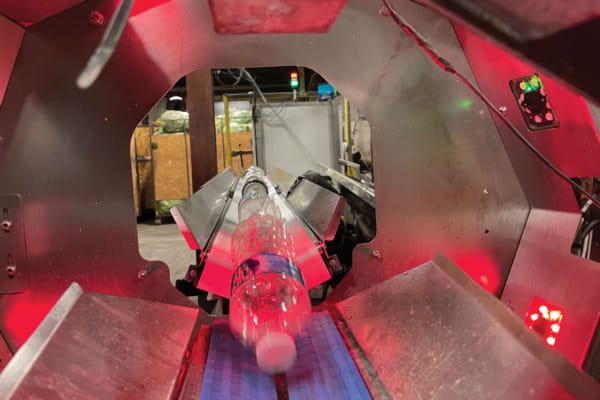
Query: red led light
[[544, 318], [294, 75]]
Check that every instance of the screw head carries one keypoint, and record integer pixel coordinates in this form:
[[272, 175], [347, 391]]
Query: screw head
[[142, 274], [96, 18], [11, 271], [376, 254], [6, 225], [503, 110]]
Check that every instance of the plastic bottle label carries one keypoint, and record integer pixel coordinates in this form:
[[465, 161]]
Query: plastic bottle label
[[263, 264]]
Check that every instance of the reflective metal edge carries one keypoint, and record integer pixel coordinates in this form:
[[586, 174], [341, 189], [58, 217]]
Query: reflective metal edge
[[23, 360], [360, 190], [216, 276], [283, 178], [320, 208], [198, 215]]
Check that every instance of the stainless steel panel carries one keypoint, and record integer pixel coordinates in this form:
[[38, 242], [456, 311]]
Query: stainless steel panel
[[432, 333], [11, 36], [320, 208], [574, 146], [283, 178], [443, 177], [96, 346], [198, 215], [545, 267], [218, 268], [296, 136], [14, 268], [66, 152]]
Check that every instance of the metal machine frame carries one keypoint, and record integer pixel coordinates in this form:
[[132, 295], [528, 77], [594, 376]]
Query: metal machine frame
[[448, 178]]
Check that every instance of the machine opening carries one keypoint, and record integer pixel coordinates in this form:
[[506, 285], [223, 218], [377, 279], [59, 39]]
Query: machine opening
[[313, 145]]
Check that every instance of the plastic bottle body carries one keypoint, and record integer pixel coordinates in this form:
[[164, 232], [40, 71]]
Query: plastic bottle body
[[269, 303], [268, 308]]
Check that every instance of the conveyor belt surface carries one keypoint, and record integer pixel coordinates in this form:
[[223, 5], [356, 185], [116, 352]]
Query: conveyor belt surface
[[324, 369]]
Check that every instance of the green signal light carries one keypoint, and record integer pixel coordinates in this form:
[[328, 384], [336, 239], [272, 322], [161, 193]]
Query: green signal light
[[465, 104], [294, 83], [533, 84]]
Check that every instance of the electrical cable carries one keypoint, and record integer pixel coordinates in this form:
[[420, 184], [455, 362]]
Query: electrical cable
[[250, 79], [107, 46], [237, 79], [445, 65]]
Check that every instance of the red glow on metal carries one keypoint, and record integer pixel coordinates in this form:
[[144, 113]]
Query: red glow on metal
[[142, 6], [481, 269], [19, 324], [29, 12], [544, 318], [274, 16]]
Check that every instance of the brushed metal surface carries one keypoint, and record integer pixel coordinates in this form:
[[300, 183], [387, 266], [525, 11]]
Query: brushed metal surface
[[13, 249], [574, 146], [283, 179], [11, 36], [433, 333], [442, 178], [198, 215], [545, 267], [320, 208], [66, 150], [97, 346]]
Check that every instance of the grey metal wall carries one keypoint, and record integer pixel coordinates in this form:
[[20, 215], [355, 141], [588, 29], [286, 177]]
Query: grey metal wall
[[444, 182]]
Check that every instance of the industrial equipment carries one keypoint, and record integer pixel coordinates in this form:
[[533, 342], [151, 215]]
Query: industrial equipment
[[465, 287]]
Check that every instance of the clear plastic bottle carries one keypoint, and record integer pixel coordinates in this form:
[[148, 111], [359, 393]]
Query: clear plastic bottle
[[269, 302]]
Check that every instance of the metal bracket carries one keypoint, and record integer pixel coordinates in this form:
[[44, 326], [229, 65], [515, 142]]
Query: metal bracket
[[14, 271]]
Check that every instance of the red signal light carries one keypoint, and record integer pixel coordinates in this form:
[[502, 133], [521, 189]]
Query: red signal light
[[544, 318]]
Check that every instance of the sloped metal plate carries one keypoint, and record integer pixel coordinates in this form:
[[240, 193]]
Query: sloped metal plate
[[197, 216], [320, 208], [96, 346], [433, 333]]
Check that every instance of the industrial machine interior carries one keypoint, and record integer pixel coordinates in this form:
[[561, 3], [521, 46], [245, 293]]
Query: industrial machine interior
[[454, 256]]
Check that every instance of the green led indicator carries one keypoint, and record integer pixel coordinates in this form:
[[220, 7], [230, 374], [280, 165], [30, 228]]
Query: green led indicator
[[294, 84], [533, 84], [465, 104]]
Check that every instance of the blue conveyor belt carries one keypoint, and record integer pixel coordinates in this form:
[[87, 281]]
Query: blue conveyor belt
[[231, 370], [323, 370]]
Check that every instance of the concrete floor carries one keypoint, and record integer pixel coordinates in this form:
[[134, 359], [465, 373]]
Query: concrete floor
[[165, 243]]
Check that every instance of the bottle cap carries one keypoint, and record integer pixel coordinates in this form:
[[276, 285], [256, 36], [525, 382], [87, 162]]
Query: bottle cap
[[275, 352]]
